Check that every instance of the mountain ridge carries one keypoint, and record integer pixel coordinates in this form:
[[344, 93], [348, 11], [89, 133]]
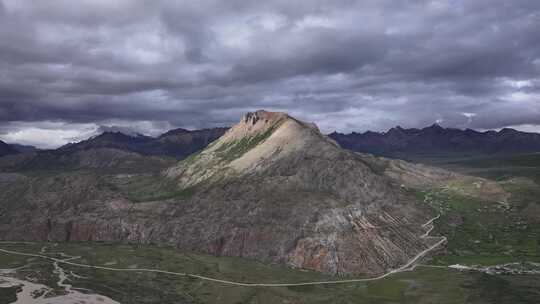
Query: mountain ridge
[[397, 142], [6, 149], [111, 149], [436, 140], [177, 143]]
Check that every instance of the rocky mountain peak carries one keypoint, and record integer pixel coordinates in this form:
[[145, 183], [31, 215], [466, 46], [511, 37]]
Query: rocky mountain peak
[[260, 139], [396, 132], [252, 118], [511, 131], [253, 123], [435, 128], [261, 124]]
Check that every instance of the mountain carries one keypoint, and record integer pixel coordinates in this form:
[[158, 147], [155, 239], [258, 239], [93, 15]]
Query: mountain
[[6, 149], [177, 143], [24, 148], [112, 140], [108, 151], [180, 143], [102, 159], [438, 141], [272, 189], [281, 191], [111, 151]]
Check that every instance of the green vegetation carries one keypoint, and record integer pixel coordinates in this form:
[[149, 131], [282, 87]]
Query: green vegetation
[[41, 271], [83, 185], [191, 158], [520, 160], [485, 233], [237, 148], [148, 187], [424, 285], [8, 294], [488, 233], [493, 167]]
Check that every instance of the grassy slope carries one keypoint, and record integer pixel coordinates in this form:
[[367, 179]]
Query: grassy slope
[[488, 232], [237, 148], [147, 187], [484, 233], [493, 167], [136, 187]]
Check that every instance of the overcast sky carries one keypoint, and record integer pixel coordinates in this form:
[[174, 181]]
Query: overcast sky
[[69, 69]]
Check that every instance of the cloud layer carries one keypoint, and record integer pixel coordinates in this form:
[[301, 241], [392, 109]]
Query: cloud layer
[[73, 66]]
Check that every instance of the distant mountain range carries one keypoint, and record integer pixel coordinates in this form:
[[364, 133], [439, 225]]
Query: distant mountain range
[[10, 149], [433, 141], [6, 149], [436, 141], [24, 148], [177, 143], [110, 150]]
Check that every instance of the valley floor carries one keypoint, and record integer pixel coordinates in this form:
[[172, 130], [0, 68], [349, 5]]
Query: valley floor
[[222, 279]]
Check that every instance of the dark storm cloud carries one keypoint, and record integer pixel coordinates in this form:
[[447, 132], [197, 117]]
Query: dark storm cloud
[[347, 65]]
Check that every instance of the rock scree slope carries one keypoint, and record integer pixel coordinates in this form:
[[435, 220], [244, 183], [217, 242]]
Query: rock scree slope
[[272, 188]]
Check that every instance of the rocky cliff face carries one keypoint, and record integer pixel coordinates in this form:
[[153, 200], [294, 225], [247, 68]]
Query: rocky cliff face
[[272, 188]]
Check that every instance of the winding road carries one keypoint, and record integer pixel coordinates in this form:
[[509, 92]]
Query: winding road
[[410, 265]]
